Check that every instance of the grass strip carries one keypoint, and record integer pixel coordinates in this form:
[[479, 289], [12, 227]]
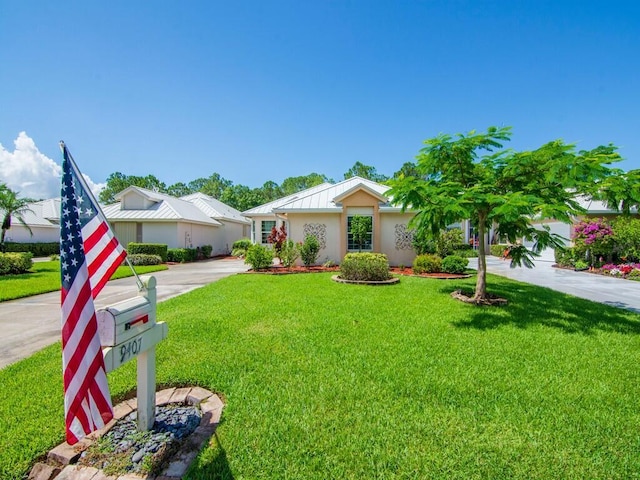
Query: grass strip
[[45, 277]]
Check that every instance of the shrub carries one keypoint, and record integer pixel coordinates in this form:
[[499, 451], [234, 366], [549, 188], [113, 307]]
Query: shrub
[[206, 250], [39, 249], [277, 237], [159, 249], [566, 257], [289, 253], [259, 257], [423, 243], [454, 264], [144, 259], [240, 247], [182, 255], [466, 252], [447, 241], [498, 250], [626, 232], [365, 267], [427, 264], [634, 274], [15, 262], [309, 250]]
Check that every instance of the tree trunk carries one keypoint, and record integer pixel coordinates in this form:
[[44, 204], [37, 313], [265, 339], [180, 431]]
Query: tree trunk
[[481, 280]]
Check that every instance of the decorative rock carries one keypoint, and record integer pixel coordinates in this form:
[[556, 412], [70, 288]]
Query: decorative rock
[[42, 471]]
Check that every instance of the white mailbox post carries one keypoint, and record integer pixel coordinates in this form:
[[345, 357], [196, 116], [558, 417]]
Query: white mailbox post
[[128, 330]]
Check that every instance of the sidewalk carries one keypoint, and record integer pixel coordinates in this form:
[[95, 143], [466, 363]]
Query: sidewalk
[[32, 323], [615, 292]]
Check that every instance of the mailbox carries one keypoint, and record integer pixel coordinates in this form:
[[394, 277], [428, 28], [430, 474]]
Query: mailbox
[[124, 320]]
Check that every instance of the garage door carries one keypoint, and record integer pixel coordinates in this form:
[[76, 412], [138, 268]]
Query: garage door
[[559, 228]]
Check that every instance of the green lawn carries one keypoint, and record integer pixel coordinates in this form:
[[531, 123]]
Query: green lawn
[[45, 277], [325, 380]]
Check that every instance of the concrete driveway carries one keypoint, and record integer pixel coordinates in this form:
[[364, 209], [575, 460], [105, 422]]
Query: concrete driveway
[[30, 324], [597, 288]]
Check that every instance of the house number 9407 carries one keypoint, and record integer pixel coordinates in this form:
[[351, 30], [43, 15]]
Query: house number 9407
[[130, 349]]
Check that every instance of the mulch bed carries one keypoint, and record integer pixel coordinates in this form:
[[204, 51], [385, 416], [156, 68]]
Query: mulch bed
[[408, 271]]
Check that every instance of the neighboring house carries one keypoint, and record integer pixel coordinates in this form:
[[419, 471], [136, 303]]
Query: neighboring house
[[594, 209], [145, 216], [43, 220], [326, 211], [234, 225]]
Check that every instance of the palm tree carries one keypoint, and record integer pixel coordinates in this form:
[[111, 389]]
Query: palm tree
[[12, 206]]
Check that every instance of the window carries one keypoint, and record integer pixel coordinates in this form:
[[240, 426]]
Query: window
[[365, 243], [267, 226], [139, 232]]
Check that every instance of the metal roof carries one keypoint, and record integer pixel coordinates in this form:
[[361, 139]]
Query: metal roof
[[328, 198], [267, 208], [164, 209], [215, 209]]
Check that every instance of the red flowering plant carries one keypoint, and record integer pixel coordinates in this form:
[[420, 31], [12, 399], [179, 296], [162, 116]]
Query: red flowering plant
[[593, 237]]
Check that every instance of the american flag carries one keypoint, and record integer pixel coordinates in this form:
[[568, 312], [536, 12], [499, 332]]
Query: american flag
[[89, 254]]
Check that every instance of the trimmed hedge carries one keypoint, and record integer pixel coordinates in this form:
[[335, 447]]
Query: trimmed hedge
[[144, 259], [427, 263], [15, 262], [40, 249], [159, 249], [365, 267], [182, 255], [454, 264]]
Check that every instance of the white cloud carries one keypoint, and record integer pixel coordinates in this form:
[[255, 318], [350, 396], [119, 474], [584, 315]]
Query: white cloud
[[31, 173]]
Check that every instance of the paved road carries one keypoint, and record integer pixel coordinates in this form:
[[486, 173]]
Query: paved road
[[30, 324], [598, 288]]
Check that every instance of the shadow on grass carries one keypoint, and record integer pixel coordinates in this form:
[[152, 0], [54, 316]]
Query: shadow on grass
[[216, 468], [531, 306]]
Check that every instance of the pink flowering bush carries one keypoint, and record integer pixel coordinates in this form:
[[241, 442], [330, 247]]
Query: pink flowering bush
[[594, 236], [626, 270]]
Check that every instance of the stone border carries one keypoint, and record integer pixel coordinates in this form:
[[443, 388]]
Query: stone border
[[61, 460], [391, 281]]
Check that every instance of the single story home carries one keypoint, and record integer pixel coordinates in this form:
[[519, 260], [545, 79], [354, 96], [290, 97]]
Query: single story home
[[326, 211], [144, 216], [43, 218]]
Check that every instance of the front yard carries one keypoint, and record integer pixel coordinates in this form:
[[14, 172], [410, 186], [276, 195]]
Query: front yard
[[326, 380]]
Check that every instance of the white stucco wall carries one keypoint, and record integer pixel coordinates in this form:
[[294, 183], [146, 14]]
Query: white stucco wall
[[226, 235], [331, 223], [393, 243], [18, 233]]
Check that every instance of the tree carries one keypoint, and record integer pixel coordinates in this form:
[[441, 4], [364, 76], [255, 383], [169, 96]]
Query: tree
[[241, 197], [501, 187], [293, 185], [620, 192], [179, 190], [271, 191], [214, 185], [117, 182], [12, 206], [365, 171], [408, 169]]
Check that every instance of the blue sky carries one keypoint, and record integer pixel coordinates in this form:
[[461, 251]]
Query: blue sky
[[263, 90]]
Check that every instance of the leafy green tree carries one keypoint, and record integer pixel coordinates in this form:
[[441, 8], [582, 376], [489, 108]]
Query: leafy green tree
[[271, 191], [242, 197], [117, 182], [214, 185], [408, 169], [501, 187], [179, 190], [11, 206], [359, 169], [620, 192], [626, 233], [293, 185]]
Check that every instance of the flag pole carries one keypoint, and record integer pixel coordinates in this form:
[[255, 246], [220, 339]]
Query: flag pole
[[67, 154]]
